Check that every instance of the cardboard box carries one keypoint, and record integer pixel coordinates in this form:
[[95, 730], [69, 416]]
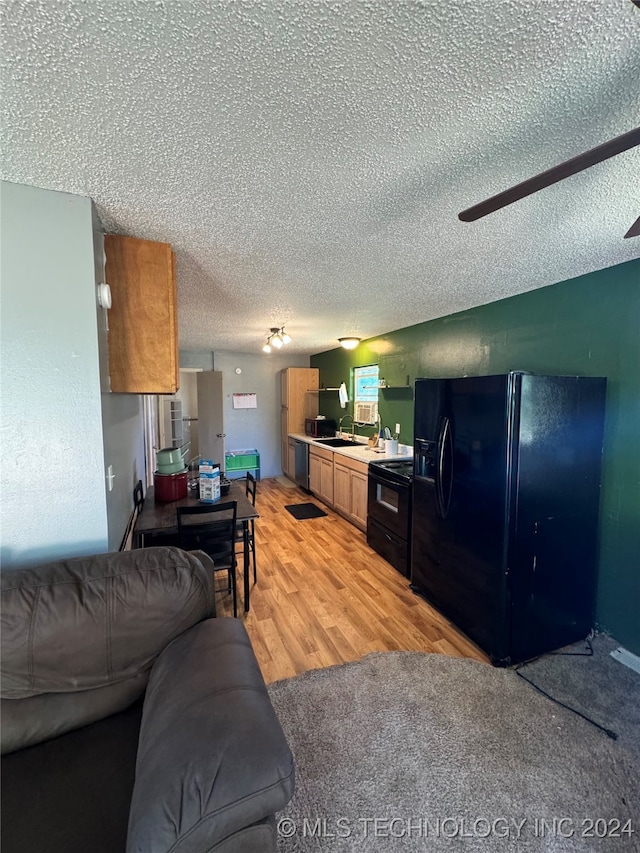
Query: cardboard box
[[209, 481]]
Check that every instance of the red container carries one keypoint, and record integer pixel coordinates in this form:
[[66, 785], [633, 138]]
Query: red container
[[170, 487]]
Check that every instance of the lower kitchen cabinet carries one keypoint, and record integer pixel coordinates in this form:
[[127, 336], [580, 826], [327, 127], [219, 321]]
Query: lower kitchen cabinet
[[341, 489], [321, 474], [284, 441], [359, 497], [291, 459], [315, 473], [350, 489]]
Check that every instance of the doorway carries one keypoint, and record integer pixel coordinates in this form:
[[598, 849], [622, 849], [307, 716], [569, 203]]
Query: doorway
[[171, 420]]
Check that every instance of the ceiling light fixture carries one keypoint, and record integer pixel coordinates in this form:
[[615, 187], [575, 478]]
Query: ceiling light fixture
[[349, 342], [277, 339]]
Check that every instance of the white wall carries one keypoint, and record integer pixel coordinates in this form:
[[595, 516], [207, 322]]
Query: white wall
[[52, 467], [200, 358], [259, 428]]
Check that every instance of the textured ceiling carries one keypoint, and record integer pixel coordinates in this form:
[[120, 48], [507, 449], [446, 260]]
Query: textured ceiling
[[308, 159]]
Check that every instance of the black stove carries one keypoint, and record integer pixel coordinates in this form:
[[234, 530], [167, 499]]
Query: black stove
[[398, 470], [389, 510]]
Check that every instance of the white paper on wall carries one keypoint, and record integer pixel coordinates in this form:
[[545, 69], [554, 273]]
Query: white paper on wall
[[245, 401]]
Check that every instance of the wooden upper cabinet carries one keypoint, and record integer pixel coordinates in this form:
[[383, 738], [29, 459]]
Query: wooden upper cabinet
[[143, 321], [296, 405], [295, 385], [284, 388]]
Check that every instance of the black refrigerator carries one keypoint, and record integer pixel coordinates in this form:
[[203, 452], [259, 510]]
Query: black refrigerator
[[506, 490]]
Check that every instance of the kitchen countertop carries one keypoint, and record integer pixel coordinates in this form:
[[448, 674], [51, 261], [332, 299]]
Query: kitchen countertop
[[360, 450]]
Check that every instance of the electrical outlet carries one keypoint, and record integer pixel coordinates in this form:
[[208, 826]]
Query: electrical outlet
[[397, 429]]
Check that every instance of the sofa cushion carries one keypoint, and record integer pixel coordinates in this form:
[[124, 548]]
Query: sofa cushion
[[71, 794], [37, 718], [212, 757], [92, 623]]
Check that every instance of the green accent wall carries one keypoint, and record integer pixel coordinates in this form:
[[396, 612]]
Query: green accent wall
[[587, 326]]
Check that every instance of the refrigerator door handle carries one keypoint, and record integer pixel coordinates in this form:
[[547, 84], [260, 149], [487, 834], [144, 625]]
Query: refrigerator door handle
[[438, 471], [445, 438]]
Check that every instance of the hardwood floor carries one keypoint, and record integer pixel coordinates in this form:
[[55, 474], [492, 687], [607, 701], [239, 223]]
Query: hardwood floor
[[324, 597]]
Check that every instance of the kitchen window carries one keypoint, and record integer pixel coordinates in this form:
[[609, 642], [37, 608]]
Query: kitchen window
[[365, 394]]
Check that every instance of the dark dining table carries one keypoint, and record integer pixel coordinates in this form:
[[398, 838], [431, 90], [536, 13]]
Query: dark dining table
[[161, 517]]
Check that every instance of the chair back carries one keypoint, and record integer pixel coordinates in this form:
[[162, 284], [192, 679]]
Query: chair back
[[250, 489], [138, 495], [210, 528]]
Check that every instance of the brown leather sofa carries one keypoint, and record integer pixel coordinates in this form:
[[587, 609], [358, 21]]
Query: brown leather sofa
[[131, 719]]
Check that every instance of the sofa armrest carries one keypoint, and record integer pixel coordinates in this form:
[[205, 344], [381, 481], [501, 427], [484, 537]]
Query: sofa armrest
[[212, 757]]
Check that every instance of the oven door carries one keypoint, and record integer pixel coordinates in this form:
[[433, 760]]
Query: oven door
[[390, 503]]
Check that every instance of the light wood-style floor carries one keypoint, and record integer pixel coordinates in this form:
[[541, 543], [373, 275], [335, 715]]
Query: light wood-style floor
[[324, 597]]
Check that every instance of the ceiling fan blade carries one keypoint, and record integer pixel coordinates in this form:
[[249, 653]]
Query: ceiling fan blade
[[634, 231], [552, 176]]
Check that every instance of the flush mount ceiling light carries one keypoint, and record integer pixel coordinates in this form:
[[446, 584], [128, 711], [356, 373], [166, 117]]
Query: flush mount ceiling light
[[349, 342], [278, 338]]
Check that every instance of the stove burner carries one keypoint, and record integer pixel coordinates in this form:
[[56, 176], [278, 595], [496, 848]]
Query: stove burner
[[396, 469]]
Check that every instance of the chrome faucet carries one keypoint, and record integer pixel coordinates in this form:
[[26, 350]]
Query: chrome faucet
[[353, 423]]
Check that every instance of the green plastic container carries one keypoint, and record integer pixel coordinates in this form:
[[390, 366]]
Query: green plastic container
[[237, 460]]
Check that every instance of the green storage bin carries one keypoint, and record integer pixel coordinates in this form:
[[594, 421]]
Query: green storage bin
[[239, 460]]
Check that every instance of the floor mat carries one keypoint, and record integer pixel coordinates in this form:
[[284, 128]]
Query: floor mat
[[286, 483], [302, 511]]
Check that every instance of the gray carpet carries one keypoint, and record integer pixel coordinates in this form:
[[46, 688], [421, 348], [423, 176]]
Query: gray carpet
[[408, 751]]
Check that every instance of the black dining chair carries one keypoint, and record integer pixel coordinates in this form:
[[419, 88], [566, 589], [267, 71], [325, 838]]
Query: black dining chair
[[138, 503], [250, 491], [138, 496], [212, 528]]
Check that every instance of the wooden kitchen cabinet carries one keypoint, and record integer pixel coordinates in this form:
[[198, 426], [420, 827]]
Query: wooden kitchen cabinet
[[315, 473], [360, 497], [341, 488], [143, 322], [326, 481], [321, 473], [350, 478], [284, 442], [291, 471], [296, 405]]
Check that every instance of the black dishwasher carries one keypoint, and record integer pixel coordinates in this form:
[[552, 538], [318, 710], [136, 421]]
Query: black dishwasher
[[389, 512], [302, 464]]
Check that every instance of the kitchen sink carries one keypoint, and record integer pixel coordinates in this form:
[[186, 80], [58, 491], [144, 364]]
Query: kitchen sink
[[336, 442]]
